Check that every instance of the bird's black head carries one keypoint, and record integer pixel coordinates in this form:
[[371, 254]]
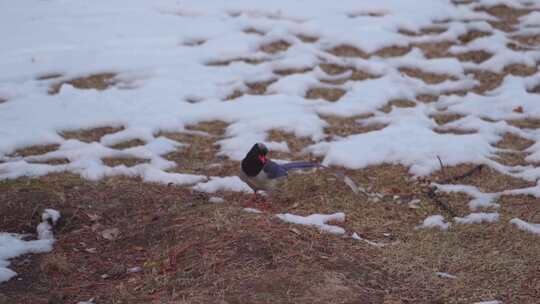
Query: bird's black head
[[255, 159]]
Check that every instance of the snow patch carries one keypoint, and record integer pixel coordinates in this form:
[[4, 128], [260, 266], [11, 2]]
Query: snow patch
[[435, 221], [13, 245], [477, 218], [525, 226], [318, 220]]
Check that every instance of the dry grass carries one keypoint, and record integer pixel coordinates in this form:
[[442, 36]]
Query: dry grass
[[308, 39], [472, 35], [398, 103], [90, 135], [487, 180], [275, 47], [128, 144], [49, 76], [444, 118], [259, 88], [35, 150], [514, 142], [427, 98], [348, 51], [529, 40], [334, 69], [488, 80], [286, 72], [428, 78], [221, 63], [392, 51], [527, 123], [126, 161], [52, 161], [98, 82], [295, 144], [345, 126], [474, 56], [329, 94], [434, 49], [254, 31]]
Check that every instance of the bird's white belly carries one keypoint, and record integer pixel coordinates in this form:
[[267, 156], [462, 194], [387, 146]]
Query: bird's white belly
[[260, 181]]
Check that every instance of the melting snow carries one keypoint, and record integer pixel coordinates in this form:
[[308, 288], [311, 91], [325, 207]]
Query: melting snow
[[521, 224], [13, 245], [435, 221], [318, 220]]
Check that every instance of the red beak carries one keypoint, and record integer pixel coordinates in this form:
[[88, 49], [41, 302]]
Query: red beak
[[262, 158]]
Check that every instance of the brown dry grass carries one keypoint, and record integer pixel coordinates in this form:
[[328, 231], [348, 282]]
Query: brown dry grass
[[98, 81], [328, 94], [259, 88], [334, 69], [90, 135], [445, 118], [126, 161], [254, 31], [429, 78], [398, 103], [128, 144], [345, 126], [434, 49], [275, 47], [220, 63], [472, 35], [285, 72], [347, 51], [527, 123], [392, 51], [474, 56], [308, 39], [35, 150]]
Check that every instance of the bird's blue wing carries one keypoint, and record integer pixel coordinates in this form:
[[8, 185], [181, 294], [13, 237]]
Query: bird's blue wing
[[274, 170]]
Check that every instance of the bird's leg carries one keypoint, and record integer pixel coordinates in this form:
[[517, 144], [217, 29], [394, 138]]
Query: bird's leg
[[253, 200]]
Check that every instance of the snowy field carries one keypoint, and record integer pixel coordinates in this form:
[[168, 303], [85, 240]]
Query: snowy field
[[425, 85]]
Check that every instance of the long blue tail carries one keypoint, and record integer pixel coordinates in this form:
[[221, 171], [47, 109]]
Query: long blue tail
[[300, 165]]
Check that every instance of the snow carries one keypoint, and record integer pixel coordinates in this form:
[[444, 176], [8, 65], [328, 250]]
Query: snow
[[13, 245], [489, 302], [178, 67], [178, 39], [525, 226], [317, 220], [445, 275], [480, 199], [228, 183], [477, 218], [216, 200], [435, 221], [252, 210]]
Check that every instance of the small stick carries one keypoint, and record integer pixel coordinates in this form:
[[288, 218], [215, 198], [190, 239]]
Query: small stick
[[442, 167]]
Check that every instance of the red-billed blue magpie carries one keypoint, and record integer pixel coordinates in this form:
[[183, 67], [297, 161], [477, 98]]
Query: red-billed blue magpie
[[261, 173]]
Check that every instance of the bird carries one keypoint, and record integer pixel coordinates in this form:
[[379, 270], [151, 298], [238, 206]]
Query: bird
[[264, 174]]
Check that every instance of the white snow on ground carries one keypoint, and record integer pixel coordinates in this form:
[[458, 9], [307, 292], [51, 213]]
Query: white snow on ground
[[489, 302], [477, 218], [178, 67], [529, 227], [435, 221], [13, 245], [252, 210], [229, 183], [318, 220], [216, 200], [480, 199], [163, 81]]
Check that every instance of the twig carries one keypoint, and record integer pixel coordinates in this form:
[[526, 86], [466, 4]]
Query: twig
[[442, 167]]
